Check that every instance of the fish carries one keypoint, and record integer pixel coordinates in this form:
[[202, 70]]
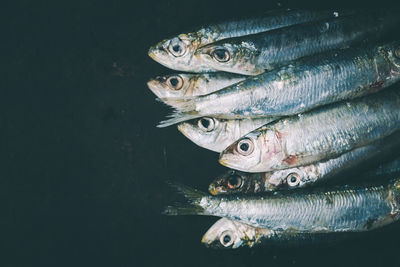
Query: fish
[[226, 233], [183, 85], [317, 135], [217, 134], [306, 84], [231, 234], [178, 52], [257, 53], [334, 209], [235, 182]]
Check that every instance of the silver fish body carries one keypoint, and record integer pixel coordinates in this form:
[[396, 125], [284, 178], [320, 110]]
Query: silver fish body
[[317, 135], [253, 54], [178, 52], [234, 182], [321, 171], [306, 84], [184, 85], [231, 234], [342, 209], [217, 134]]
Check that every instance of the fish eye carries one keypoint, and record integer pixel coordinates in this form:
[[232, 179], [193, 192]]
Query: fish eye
[[397, 52], [293, 179], [175, 82], [177, 47], [245, 147], [226, 238], [235, 181], [206, 124], [221, 55]]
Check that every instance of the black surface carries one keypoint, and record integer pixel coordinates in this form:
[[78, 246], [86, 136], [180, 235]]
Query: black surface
[[83, 165]]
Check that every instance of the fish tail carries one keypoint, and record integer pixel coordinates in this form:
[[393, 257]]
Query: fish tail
[[177, 117], [192, 204], [185, 104]]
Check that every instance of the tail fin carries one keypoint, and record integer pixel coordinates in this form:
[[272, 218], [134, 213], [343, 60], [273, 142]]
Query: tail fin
[[192, 205], [177, 117], [185, 104]]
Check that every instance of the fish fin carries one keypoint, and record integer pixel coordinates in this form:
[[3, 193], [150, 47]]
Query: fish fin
[[177, 117], [160, 100], [183, 209], [185, 104], [192, 204]]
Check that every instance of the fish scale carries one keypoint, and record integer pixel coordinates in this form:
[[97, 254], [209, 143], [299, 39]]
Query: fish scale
[[309, 174], [234, 28], [345, 134], [334, 210], [320, 134], [253, 54], [241, 234], [306, 84]]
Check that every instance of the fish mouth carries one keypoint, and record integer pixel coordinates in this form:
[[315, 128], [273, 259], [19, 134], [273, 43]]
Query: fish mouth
[[222, 161], [205, 240], [214, 190], [181, 127], [158, 54], [153, 85], [152, 52], [232, 164], [223, 157]]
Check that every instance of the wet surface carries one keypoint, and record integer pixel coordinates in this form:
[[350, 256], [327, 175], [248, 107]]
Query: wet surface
[[83, 165]]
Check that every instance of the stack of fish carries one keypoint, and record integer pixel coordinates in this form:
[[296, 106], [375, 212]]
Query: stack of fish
[[289, 99]]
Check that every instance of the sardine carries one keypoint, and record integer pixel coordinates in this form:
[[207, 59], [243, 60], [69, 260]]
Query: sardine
[[253, 54], [231, 234], [217, 134], [185, 85], [234, 182], [341, 209], [317, 135], [177, 52], [307, 83]]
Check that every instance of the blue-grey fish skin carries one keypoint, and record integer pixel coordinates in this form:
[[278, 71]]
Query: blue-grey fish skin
[[343, 209], [306, 84], [187, 43], [253, 54], [317, 135], [231, 234], [236, 182], [274, 19]]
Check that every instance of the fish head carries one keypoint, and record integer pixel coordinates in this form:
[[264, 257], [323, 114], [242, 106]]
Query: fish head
[[207, 132], [396, 190], [393, 54], [171, 86], [229, 234], [286, 179], [258, 151], [177, 53], [234, 182], [229, 57]]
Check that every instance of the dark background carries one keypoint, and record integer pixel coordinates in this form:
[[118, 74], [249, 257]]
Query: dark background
[[83, 165]]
